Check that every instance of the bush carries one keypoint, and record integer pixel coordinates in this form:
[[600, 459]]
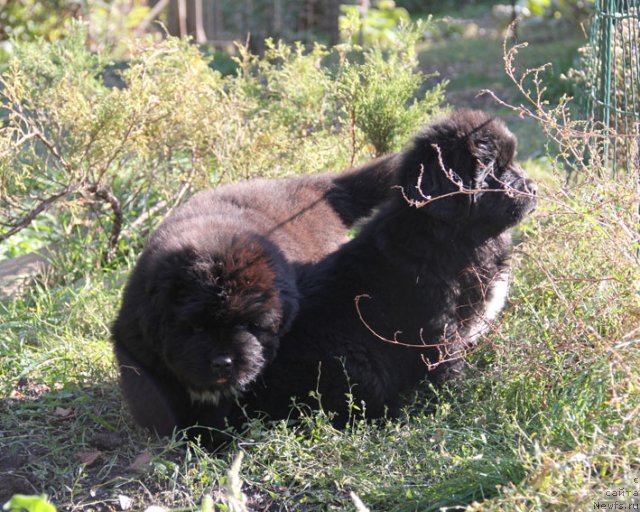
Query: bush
[[563, 365], [125, 154], [379, 24]]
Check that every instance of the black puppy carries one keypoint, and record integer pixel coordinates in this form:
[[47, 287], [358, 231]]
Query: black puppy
[[214, 289], [402, 300]]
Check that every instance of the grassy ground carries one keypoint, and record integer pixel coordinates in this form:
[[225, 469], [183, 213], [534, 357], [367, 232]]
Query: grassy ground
[[548, 418], [474, 62]]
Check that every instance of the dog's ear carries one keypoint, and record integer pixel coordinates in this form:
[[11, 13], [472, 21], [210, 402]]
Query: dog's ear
[[290, 304], [164, 281], [164, 287], [285, 284], [272, 275], [435, 171], [494, 145]]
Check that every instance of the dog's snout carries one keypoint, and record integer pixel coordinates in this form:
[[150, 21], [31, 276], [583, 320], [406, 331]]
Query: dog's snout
[[222, 363], [524, 185], [530, 187]]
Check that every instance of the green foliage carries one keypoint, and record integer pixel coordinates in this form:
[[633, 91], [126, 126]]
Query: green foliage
[[377, 91], [379, 25], [112, 23], [32, 238], [70, 142], [30, 19], [23, 503], [538, 7], [565, 361], [572, 9]]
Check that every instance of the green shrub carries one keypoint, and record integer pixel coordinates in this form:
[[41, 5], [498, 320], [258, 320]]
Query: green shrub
[[376, 95], [379, 25], [22, 503], [129, 153]]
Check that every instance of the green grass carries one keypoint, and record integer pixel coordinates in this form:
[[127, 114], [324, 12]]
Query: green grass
[[474, 63], [548, 418]]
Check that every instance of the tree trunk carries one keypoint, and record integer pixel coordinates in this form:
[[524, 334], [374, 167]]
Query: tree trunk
[[186, 18], [332, 14]]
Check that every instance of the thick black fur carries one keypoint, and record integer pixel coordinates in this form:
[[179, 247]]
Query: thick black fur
[[214, 289], [424, 272]]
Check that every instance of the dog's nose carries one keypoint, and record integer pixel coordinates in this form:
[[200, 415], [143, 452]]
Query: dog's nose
[[221, 363], [530, 187]]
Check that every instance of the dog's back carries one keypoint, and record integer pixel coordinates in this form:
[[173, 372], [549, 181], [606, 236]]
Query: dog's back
[[286, 223], [401, 301]]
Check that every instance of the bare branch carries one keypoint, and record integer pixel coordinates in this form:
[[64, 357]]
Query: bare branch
[[43, 206], [106, 195], [394, 341], [454, 178], [153, 13]]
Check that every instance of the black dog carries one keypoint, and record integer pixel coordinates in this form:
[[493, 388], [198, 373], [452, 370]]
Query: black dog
[[402, 300], [214, 289]]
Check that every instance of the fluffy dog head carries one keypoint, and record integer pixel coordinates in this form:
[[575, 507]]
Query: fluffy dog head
[[218, 314], [462, 170]]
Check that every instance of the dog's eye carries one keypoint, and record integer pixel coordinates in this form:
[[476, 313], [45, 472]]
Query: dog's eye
[[255, 327], [485, 174], [489, 180]]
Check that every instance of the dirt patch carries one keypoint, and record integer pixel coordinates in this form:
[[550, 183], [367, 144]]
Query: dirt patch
[[17, 273], [12, 478]]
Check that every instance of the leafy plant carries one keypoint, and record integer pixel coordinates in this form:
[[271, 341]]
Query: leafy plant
[[24, 503], [127, 154], [573, 9], [111, 24], [377, 26], [378, 94], [30, 19]]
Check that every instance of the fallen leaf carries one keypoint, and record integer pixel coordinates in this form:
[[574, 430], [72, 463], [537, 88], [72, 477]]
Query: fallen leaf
[[63, 412], [107, 441], [88, 458], [141, 460], [125, 502]]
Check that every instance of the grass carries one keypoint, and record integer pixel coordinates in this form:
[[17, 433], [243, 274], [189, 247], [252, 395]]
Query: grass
[[548, 418], [474, 62]]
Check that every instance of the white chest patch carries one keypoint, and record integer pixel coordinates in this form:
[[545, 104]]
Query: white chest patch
[[210, 397], [206, 397], [496, 298]]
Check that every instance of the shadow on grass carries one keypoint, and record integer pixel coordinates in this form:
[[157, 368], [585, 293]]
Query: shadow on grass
[[72, 443]]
